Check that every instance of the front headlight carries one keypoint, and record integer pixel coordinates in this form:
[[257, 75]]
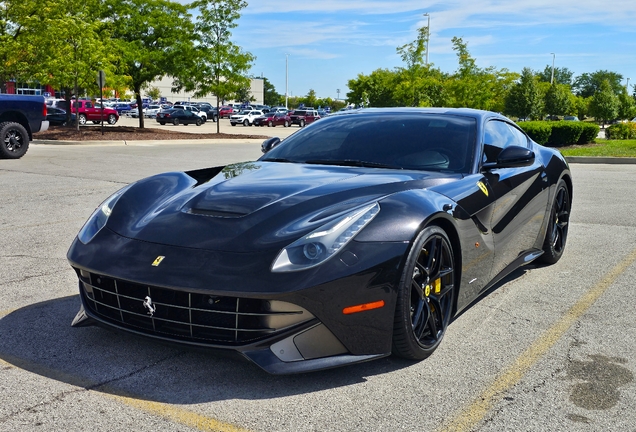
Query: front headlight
[[323, 243], [99, 217]]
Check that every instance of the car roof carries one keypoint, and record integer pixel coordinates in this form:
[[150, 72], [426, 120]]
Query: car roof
[[466, 112]]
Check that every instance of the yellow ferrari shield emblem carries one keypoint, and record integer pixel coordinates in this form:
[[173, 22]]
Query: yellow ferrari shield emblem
[[158, 260], [483, 187]]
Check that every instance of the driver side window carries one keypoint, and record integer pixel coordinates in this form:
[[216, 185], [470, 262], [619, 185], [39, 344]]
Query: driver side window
[[497, 136]]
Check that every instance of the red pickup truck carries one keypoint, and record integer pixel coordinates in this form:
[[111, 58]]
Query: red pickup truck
[[87, 111]]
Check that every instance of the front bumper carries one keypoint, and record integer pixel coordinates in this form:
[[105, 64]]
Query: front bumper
[[285, 323]]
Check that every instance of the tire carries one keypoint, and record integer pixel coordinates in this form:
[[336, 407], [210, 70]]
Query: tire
[[95, 122], [198, 122], [557, 231], [301, 123], [215, 118], [425, 295], [14, 140], [162, 123], [175, 122], [82, 119], [112, 119], [270, 124], [233, 124], [286, 124], [246, 122]]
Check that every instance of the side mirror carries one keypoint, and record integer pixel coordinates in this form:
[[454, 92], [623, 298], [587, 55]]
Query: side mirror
[[269, 144], [511, 157]]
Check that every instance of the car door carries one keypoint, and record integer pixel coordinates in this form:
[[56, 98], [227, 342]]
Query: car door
[[519, 194]]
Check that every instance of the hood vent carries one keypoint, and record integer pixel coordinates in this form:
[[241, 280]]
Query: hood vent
[[215, 213]]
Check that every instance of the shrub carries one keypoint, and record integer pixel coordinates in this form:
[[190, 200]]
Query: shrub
[[564, 133], [621, 131], [589, 132], [539, 131]]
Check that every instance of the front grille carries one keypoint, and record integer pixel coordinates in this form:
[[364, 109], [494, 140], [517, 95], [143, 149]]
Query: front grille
[[186, 316]]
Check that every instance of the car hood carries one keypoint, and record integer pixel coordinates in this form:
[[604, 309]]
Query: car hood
[[254, 205]]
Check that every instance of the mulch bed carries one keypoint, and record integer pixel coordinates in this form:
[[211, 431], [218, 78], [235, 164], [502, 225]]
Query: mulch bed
[[127, 133]]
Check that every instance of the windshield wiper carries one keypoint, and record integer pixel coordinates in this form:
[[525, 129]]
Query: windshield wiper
[[352, 162]]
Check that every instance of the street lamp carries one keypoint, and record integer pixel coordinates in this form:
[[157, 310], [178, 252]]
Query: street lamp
[[338, 91], [627, 86], [428, 35], [286, 79], [552, 78]]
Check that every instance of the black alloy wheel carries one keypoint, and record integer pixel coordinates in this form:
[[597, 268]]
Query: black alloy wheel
[[15, 140], [426, 295], [175, 122], [198, 122], [557, 230]]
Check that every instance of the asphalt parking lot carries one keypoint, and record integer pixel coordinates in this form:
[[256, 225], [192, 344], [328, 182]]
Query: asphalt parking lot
[[550, 348]]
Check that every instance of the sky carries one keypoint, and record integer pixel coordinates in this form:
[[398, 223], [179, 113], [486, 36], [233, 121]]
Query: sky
[[328, 42]]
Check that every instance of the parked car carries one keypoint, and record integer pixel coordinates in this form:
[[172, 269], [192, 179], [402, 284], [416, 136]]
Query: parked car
[[178, 116], [57, 116], [152, 110], [86, 112], [208, 109], [302, 117], [245, 117], [570, 118], [225, 111], [273, 119], [360, 236], [20, 117], [194, 109], [122, 107]]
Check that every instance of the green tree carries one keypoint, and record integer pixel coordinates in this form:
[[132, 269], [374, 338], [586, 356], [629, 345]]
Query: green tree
[[244, 93], [151, 39], [270, 95], [557, 99], [78, 46], [153, 93], [376, 89], [561, 75], [218, 66], [604, 104], [474, 87], [626, 106], [524, 99], [17, 46], [579, 106], [588, 84]]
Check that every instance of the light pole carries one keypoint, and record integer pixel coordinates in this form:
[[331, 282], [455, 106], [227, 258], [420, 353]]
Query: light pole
[[286, 79], [428, 35], [338, 91], [552, 78], [627, 86]]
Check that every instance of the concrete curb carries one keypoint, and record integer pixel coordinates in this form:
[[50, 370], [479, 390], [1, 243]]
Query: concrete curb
[[600, 160], [149, 142]]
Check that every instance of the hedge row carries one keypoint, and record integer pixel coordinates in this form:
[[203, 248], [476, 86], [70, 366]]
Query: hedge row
[[560, 133], [621, 131]]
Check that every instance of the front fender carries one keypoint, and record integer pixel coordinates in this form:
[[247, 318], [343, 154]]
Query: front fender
[[402, 215]]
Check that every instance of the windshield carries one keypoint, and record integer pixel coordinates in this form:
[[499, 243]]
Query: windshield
[[402, 140]]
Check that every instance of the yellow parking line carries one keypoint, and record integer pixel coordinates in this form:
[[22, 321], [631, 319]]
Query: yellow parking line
[[468, 418], [178, 415], [165, 410], [6, 312]]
